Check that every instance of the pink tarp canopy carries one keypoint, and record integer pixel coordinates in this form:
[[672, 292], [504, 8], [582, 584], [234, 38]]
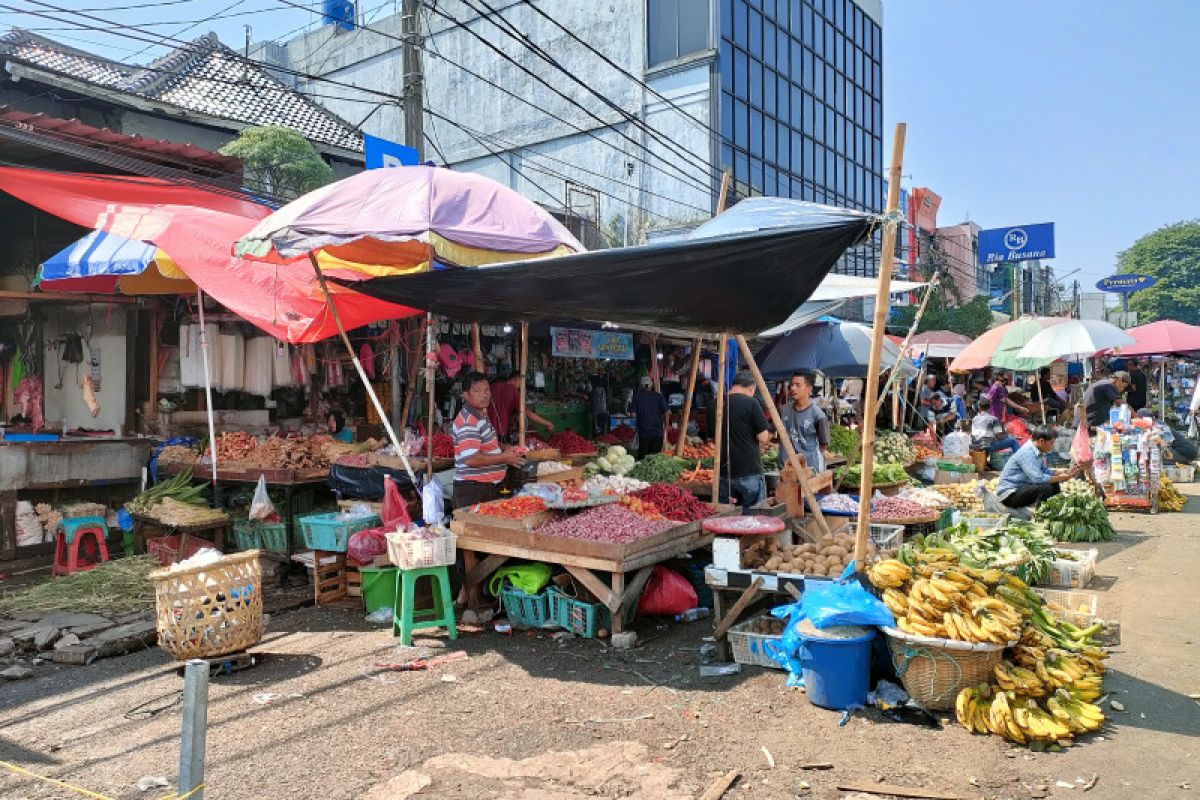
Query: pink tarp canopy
[[938, 344], [197, 228], [1163, 338]]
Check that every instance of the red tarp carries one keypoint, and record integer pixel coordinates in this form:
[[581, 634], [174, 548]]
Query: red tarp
[[197, 228]]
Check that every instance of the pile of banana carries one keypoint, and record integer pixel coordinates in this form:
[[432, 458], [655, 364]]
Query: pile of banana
[[942, 598], [1020, 719], [1169, 498]]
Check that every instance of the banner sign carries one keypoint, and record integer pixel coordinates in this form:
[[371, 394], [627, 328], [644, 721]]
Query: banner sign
[[1020, 243], [1126, 284], [580, 343], [379, 153]]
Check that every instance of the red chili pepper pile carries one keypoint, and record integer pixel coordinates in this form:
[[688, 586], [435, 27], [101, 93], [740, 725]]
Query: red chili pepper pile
[[443, 445], [570, 443], [622, 434], [675, 503], [511, 507]]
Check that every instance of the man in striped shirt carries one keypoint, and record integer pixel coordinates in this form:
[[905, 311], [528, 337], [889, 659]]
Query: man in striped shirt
[[480, 464]]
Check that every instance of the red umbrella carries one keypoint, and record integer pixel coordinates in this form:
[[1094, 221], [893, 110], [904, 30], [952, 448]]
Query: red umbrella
[[1163, 338]]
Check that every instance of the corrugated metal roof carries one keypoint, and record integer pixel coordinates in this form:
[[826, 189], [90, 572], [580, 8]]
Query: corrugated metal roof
[[204, 77]]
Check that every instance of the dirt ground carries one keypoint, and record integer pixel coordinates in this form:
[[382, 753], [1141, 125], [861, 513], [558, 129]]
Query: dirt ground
[[528, 717]]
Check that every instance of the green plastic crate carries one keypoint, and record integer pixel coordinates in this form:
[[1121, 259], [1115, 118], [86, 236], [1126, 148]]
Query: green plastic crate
[[254, 535], [577, 616], [526, 610]]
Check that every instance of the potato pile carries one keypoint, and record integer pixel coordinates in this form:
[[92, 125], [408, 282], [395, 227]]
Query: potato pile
[[767, 626], [828, 557]]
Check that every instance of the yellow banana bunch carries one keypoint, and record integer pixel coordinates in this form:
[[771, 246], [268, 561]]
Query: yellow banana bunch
[[890, 573], [896, 601], [1013, 678], [1169, 498], [973, 708], [1037, 724]]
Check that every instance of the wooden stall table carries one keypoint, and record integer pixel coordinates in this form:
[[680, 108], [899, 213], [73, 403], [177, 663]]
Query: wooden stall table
[[144, 524], [584, 560]]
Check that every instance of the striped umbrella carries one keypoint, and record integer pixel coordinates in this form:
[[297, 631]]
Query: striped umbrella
[[1000, 347], [104, 263]]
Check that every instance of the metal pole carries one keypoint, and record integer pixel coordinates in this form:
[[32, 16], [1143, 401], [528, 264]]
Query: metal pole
[[195, 727], [414, 89], [212, 426], [394, 363]]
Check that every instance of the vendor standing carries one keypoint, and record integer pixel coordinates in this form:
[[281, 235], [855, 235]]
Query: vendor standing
[[745, 434], [505, 406], [480, 464], [651, 410], [1098, 400], [1026, 479], [805, 422], [1138, 393]]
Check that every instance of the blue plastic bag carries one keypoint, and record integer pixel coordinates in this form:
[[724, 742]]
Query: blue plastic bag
[[786, 652], [843, 602]]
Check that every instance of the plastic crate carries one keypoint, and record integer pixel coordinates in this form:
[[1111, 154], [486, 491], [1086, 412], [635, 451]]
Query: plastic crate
[[1067, 574], [1076, 607], [579, 617], [251, 534], [945, 519], [409, 553], [332, 531], [983, 523], [166, 548], [886, 537], [750, 647], [526, 610]]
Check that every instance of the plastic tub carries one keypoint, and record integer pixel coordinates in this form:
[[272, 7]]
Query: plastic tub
[[378, 587], [837, 671]]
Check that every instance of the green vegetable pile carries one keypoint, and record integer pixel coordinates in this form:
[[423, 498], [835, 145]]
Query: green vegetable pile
[[843, 441], [1076, 514], [1025, 549], [880, 475], [178, 488], [770, 460], [659, 468], [893, 447]]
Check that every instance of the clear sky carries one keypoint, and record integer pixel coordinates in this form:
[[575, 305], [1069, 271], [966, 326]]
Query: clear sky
[[1085, 114], [1081, 113]]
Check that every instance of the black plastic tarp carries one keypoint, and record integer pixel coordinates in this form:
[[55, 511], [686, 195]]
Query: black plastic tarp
[[739, 282]]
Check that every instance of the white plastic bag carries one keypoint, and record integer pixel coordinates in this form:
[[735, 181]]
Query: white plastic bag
[[433, 503], [261, 507]]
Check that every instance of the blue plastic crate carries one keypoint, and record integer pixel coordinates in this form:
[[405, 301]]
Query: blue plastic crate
[[526, 610], [577, 616], [332, 531]]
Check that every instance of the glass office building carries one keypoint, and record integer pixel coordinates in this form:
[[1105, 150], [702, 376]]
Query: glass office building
[[801, 104]]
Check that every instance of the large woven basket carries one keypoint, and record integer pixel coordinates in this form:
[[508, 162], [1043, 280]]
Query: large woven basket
[[210, 610], [934, 671]]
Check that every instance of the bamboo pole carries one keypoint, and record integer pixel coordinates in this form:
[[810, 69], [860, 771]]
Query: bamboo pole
[[1162, 391], [155, 324], [417, 356], [521, 422], [687, 400], [785, 441], [362, 374], [477, 349], [881, 306], [212, 426], [720, 421], [894, 377], [1041, 400], [430, 375], [655, 363]]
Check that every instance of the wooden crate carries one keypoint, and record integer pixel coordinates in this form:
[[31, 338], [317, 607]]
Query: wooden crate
[[566, 476]]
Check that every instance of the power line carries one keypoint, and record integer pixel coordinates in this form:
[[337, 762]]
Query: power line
[[193, 24]]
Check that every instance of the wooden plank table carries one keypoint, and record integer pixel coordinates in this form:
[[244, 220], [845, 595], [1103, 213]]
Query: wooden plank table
[[585, 560], [144, 523]]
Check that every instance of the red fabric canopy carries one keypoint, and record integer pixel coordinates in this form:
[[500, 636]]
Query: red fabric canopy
[[197, 228]]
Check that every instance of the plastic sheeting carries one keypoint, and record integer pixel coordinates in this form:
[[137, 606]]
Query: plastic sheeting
[[258, 374], [741, 282], [191, 356]]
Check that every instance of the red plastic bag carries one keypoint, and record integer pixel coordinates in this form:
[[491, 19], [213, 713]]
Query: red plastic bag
[[667, 593], [365, 545], [1017, 428], [395, 510], [1081, 445]]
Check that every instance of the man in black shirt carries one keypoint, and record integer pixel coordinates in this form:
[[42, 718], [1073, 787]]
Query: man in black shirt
[[1136, 396], [1100, 396], [741, 455]]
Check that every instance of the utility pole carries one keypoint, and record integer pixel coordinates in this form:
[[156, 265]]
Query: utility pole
[[1016, 290], [414, 80], [1075, 300]]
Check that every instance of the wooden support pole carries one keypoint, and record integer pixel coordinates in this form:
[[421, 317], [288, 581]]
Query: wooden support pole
[[477, 349], [522, 423], [1041, 400], [687, 400], [430, 381], [785, 441], [415, 374], [881, 308], [655, 363], [720, 420], [155, 324]]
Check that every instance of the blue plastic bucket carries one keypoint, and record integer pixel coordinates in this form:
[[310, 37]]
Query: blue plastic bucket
[[837, 672]]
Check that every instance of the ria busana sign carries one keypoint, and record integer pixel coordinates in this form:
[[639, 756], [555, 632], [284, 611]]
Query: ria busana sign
[[1019, 243]]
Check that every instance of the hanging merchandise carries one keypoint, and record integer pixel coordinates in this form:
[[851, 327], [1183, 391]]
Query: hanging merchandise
[[72, 351], [281, 364], [259, 370], [367, 356], [30, 397], [89, 397], [450, 360], [233, 362]]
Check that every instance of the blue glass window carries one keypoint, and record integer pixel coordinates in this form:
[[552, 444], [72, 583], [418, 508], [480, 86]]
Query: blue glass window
[[726, 67], [756, 83], [676, 28], [741, 25], [741, 125], [756, 32], [783, 153], [756, 126], [782, 45], [741, 73], [768, 51], [807, 31], [784, 90], [768, 90], [769, 126]]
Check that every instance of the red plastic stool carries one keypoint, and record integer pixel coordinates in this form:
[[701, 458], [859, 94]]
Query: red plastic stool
[[82, 533]]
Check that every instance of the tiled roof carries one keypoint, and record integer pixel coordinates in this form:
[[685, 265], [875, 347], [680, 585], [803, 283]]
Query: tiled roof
[[204, 77]]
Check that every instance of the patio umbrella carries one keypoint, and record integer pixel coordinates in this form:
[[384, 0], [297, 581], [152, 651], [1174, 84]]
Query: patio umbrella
[[1074, 337], [104, 263], [837, 349], [1163, 338], [1000, 346], [938, 344], [401, 221]]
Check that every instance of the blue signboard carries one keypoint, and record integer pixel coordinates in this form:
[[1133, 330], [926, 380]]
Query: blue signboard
[[1126, 284], [582, 343], [1019, 243], [379, 153]]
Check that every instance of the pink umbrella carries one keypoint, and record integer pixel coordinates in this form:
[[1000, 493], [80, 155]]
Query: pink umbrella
[[938, 344], [1162, 338]]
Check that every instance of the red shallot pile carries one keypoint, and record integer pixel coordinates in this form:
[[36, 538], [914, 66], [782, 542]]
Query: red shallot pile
[[611, 523], [676, 503], [570, 443], [886, 508]]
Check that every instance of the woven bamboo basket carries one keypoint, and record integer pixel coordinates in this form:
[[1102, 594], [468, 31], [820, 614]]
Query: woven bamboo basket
[[210, 610], [934, 670]]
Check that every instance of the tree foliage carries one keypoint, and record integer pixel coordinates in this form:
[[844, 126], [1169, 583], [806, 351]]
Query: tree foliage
[[1171, 254], [279, 162], [970, 319]]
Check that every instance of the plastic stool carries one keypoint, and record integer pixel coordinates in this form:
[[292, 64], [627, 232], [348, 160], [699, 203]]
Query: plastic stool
[[406, 618], [71, 534]]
